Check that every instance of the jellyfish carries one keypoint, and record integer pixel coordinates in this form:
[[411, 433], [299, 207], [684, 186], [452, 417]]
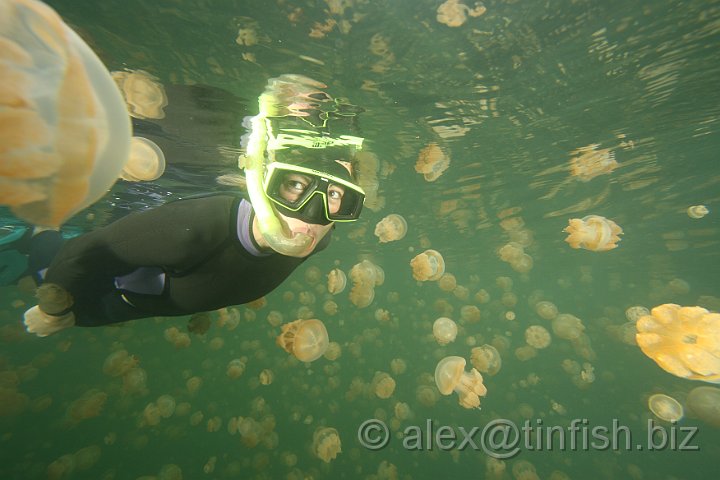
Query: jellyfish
[[665, 407], [546, 310], [307, 340], [684, 341], [450, 376], [427, 266], [633, 314], [524, 470], [146, 162], [593, 232], [486, 359], [336, 281], [383, 385], [193, 384], [470, 314], [326, 444], [432, 162], [426, 395], [199, 323], [118, 363], [447, 282], [444, 330], [567, 326], [537, 337], [165, 405], [144, 95], [453, 13], [65, 132], [391, 228], [697, 211], [398, 366], [704, 403], [402, 411], [591, 162], [266, 377]]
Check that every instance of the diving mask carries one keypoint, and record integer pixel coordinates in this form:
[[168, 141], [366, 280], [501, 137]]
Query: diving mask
[[313, 196]]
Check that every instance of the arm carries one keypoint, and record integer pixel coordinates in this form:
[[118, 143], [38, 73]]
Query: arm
[[174, 236]]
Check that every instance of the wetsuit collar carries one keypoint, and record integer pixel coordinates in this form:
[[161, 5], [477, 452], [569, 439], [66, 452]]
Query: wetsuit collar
[[244, 230]]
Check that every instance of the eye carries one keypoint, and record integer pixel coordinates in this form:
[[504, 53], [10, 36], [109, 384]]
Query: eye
[[335, 192]]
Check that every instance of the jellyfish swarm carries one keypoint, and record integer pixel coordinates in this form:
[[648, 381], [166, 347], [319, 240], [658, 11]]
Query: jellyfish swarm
[[391, 228], [593, 232], [307, 340], [326, 444], [591, 162], [428, 265], [450, 375], [432, 162], [684, 341], [665, 407], [64, 129]]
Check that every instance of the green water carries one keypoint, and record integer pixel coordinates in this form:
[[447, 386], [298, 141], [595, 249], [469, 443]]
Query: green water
[[509, 96]]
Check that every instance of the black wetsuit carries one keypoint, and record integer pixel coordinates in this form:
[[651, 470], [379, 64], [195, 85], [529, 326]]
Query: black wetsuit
[[184, 257]]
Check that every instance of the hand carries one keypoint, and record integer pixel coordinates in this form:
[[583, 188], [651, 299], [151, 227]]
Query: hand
[[42, 324]]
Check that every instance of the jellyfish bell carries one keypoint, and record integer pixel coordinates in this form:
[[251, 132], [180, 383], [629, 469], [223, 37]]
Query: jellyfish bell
[[593, 232], [144, 95], [65, 132], [684, 341], [697, 211], [444, 330], [337, 280], [146, 162], [391, 228], [486, 359], [665, 407], [450, 376], [428, 266], [326, 444], [537, 337], [307, 340]]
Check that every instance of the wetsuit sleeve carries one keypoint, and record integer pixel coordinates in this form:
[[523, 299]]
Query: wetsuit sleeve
[[175, 237]]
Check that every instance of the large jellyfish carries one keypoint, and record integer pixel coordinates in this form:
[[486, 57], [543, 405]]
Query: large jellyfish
[[391, 228], [307, 340], [593, 232], [64, 128], [665, 407], [450, 376], [432, 162], [428, 265], [684, 341]]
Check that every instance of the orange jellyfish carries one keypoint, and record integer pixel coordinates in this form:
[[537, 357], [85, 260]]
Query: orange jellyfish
[[336, 281], [146, 162], [444, 330], [591, 162], [64, 128], [383, 385], [391, 228], [684, 341], [307, 340], [450, 375], [486, 359], [326, 444], [537, 337], [428, 265], [453, 13], [144, 95], [593, 232], [432, 162], [665, 407]]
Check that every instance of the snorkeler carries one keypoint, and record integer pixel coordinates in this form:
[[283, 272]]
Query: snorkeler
[[201, 254]]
